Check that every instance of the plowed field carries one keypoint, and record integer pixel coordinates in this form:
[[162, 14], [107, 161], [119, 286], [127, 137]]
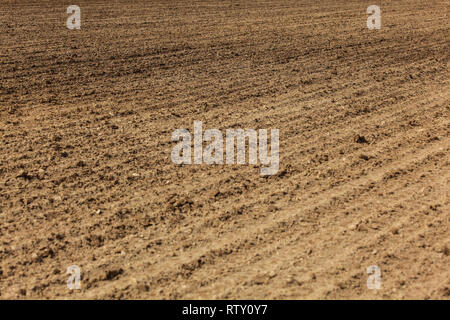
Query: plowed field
[[86, 176]]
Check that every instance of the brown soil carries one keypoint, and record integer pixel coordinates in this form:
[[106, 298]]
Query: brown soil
[[85, 171]]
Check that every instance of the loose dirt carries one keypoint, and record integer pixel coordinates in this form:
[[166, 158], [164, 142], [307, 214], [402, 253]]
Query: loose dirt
[[86, 178]]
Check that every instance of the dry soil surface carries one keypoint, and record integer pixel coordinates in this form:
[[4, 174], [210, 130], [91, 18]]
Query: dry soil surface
[[86, 177]]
